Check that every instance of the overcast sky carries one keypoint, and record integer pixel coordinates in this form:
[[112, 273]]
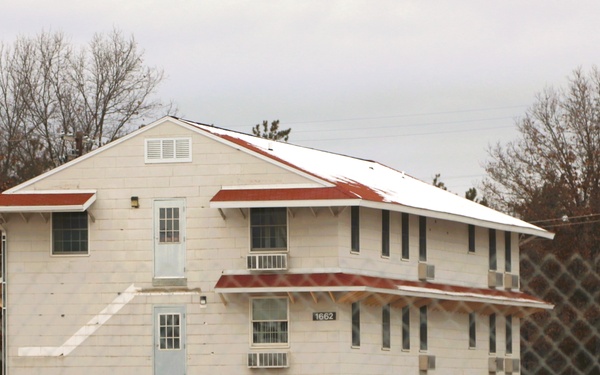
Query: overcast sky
[[421, 86]]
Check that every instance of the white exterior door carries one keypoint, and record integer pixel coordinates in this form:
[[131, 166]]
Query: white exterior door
[[169, 239], [169, 340]]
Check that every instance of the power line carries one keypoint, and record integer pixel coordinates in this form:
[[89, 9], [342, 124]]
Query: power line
[[406, 115], [405, 135], [403, 126], [565, 218]]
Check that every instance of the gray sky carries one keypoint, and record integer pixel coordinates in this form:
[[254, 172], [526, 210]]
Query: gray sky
[[421, 86]]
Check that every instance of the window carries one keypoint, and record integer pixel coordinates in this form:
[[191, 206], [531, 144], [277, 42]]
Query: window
[[471, 238], [423, 327], [492, 333], [168, 150], [405, 237], [169, 331], [356, 324], [355, 229], [268, 228], [422, 238], [472, 331], [385, 327], [507, 251], [385, 233], [493, 262], [406, 328], [168, 219], [509, 334], [269, 321], [69, 233]]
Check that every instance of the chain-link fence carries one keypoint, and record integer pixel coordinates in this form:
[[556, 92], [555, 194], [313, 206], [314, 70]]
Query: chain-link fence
[[565, 340]]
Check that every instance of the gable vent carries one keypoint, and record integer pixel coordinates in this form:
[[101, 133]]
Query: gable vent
[[168, 150]]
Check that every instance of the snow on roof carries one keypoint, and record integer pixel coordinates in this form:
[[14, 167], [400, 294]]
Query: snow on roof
[[371, 181]]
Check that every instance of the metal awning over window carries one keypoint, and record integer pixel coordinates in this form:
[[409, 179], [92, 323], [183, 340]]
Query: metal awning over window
[[378, 291], [63, 201]]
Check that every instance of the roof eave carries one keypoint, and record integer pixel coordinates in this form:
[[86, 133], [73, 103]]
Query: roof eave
[[510, 302]]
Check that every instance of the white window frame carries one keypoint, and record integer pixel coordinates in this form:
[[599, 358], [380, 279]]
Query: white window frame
[[251, 330], [175, 158], [173, 336], [270, 250], [69, 254]]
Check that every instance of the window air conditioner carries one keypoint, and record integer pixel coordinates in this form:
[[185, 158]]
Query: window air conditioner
[[495, 279], [495, 364], [511, 365], [267, 262], [426, 362], [511, 281], [268, 360], [426, 271]]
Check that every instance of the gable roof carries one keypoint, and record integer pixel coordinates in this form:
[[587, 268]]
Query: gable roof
[[366, 183], [335, 180]]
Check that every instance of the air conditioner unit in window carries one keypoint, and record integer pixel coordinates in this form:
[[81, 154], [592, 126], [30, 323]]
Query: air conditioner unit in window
[[267, 262], [511, 365], [495, 279], [495, 364], [268, 360], [511, 281], [426, 362], [426, 271]]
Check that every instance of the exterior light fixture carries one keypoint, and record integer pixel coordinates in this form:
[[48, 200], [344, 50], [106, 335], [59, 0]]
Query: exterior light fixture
[[203, 301], [135, 202]]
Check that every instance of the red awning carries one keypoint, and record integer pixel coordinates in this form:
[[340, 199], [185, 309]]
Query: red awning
[[236, 195], [377, 291], [46, 202]]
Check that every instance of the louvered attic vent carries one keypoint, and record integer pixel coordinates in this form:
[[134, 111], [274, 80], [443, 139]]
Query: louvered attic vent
[[168, 150]]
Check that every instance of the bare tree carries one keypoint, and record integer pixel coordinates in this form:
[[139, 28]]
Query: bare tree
[[52, 93], [271, 132], [550, 176]]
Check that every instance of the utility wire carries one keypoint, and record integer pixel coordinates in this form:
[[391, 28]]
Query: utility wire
[[564, 217]]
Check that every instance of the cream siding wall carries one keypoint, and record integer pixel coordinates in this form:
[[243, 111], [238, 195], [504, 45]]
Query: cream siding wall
[[51, 297]]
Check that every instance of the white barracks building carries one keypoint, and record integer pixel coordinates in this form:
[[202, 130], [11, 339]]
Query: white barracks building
[[182, 248]]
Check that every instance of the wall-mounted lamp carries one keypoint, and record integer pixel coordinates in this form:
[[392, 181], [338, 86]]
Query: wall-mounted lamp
[[135, 202], [202, 300]]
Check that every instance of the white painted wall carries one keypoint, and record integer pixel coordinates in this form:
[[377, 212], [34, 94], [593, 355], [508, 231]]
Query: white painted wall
[[51, 297]]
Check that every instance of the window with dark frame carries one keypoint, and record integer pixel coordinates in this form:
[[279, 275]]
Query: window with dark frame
[[422, 238], [423, 327], [492, 333], [406, 328], [492, 257], [386, 326], [471, 238], [356, 324], [509, 345], [268, 227], [385, 233], [507, 252], [69, 233], [269, 321], [355, 229], [405, 236], [472, 331]]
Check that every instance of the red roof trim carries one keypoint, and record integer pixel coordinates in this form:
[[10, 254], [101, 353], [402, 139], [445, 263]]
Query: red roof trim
[[352, 189], [350, 280], [44, 199], [237, 195]]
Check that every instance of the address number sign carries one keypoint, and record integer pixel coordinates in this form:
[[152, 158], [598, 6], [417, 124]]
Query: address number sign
[[324, 316]]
